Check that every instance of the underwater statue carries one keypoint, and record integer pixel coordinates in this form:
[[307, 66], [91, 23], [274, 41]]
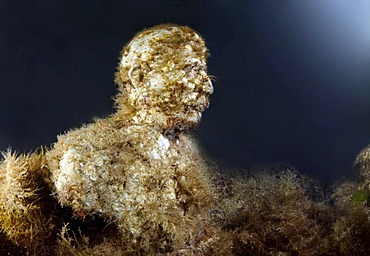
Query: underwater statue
[[138, 168], [136, 183]]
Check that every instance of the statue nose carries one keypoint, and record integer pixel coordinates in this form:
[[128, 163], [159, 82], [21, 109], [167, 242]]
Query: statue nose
[[207, 86], [207, 83]]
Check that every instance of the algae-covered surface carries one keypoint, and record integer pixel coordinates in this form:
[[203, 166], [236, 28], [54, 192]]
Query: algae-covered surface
[[137, 182]]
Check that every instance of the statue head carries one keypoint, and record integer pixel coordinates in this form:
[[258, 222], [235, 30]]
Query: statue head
[[162, 75]]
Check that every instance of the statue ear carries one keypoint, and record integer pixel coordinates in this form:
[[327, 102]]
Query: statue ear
[[134, 73]]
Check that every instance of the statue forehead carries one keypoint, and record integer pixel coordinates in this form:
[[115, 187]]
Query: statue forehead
[[147, 43]]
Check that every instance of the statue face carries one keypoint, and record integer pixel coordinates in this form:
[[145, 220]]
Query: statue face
[[194, 89], [167, 76], [181, 91]]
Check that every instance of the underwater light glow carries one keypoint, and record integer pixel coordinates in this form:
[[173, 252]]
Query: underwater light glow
[[342, 26]]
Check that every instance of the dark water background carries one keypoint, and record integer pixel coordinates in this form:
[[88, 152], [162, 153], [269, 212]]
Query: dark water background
[[292, 77]]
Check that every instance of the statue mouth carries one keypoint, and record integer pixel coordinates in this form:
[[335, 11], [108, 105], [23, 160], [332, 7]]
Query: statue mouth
[[200, 105]]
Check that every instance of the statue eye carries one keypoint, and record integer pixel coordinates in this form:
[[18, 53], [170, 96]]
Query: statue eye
[[188, 67]]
